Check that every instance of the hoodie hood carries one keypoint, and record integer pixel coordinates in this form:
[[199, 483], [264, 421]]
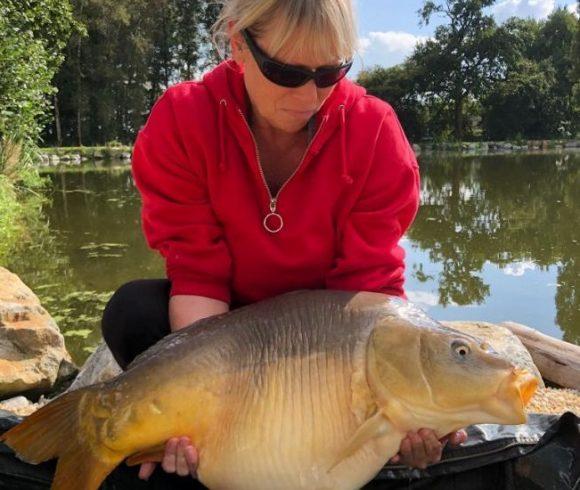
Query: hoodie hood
[[225, 85]]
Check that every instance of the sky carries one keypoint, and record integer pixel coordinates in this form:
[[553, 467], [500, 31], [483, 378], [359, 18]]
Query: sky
[[389, 29]]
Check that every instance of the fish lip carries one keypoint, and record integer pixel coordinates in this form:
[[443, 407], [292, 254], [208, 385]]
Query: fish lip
[[512, 396], [526, 384]]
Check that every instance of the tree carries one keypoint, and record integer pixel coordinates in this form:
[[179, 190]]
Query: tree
[[575, 55], [133, 51], [464, 56], [397, 85], [32, 36], [555, 41], [535, 97], [518, 105]]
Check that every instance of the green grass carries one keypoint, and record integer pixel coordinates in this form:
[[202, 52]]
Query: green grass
[[9, 211], [19, 207]]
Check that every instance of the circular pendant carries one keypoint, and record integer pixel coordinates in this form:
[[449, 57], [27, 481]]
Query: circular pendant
[[273, 222]]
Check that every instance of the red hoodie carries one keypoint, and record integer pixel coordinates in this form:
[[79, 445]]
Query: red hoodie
[[204, 197]]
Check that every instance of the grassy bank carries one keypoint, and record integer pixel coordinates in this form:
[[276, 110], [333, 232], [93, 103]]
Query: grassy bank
[[20, 202], [76, 155], [19, 196], [497, 146]]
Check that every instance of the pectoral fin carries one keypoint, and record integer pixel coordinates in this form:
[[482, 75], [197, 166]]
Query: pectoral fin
[[151, 454], [373, 427]]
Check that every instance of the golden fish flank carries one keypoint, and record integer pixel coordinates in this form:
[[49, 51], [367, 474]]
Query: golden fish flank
[[308, 390]]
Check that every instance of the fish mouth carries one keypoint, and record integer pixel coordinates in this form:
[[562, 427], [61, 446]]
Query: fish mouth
[[513, 395], [527, 384]]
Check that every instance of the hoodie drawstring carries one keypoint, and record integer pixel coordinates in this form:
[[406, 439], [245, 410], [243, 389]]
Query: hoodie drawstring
[[345, 175], [221, 136]]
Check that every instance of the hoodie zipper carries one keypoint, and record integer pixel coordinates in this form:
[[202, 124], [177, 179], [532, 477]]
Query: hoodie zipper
[[274, 199]]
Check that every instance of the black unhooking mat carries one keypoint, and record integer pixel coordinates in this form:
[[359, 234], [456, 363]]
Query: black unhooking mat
[[542, 454]]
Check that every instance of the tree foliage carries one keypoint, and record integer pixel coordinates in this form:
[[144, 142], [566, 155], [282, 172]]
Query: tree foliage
[[464, 56], [32, 36], [535, 98], [475, 79], [575, 54], [398, 86], [133, 50]]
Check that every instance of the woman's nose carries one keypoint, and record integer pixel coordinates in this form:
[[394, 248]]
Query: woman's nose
[[307, 95]]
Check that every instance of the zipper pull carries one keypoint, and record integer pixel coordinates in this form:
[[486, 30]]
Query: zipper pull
[[273, 222], [273, 203]]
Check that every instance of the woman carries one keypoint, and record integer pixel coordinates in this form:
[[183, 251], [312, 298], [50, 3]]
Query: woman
[[272, 173]]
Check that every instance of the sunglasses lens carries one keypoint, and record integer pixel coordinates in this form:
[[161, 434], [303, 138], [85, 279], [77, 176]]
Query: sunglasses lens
[[281, 75], [328, 78]]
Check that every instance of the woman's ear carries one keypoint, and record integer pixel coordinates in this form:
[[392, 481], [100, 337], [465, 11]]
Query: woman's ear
[[237, 45]]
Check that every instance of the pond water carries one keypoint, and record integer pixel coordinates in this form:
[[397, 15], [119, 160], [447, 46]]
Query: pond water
[[496, 239]]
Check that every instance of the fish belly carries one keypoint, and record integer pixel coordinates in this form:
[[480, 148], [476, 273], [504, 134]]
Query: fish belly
[[285, 427]]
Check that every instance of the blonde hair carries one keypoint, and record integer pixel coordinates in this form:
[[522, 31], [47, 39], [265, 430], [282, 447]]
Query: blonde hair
[[323, 28]]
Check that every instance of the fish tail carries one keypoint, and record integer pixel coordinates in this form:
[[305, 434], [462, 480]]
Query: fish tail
[[80, 468], [53, 432]]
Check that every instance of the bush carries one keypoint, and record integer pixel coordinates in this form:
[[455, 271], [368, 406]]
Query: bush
[[32, 36]]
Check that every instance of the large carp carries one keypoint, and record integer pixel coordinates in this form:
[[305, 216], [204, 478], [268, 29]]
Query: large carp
[[308, 390]]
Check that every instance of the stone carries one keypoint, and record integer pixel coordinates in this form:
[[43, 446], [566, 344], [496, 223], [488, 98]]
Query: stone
[[33, 356], [99, 367], [502, 340], [20, 405], [555, 401]]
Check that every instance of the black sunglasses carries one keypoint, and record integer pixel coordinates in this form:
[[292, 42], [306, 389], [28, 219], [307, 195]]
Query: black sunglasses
[[294, 76]]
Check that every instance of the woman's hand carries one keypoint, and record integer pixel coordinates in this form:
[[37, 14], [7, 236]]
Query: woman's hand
[[422, 448], [180, 457]]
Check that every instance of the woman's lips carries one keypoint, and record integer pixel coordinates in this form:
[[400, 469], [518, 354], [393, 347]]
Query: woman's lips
[[300, 114]]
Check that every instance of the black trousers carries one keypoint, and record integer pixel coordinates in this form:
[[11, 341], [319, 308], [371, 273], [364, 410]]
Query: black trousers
[[135, 318]]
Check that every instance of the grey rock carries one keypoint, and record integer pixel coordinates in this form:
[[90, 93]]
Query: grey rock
[[99, 367]]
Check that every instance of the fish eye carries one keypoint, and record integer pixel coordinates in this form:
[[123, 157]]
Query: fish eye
[[460, 348]]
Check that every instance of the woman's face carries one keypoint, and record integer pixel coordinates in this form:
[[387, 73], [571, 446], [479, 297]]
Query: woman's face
[[282, 108]]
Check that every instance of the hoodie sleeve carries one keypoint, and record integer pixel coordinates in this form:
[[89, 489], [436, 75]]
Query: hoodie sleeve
[[369, 256], [177, 216]]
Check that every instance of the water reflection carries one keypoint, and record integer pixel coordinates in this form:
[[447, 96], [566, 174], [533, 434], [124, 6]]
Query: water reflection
[[86, 243], [496, 238], [503, 210]]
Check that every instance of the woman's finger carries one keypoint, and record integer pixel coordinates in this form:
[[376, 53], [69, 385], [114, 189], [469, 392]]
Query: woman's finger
[[456, 438], [405, 452], [419, 458], [433, 447], [192, 458], [169, 463], [146, 470], [181, 466]]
